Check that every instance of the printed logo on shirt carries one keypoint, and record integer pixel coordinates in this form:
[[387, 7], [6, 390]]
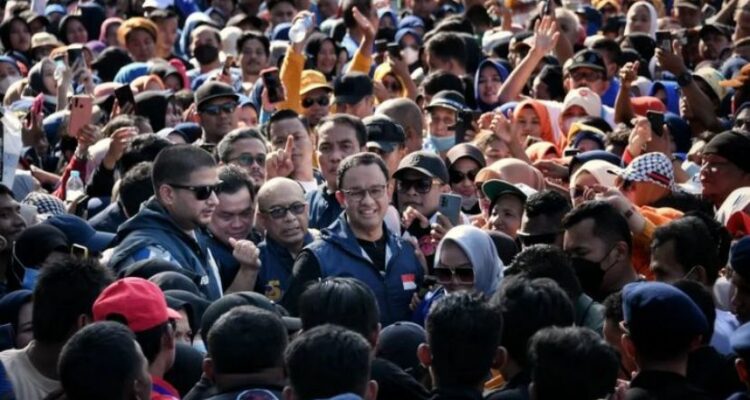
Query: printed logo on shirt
[[273, 290], [408, 281]]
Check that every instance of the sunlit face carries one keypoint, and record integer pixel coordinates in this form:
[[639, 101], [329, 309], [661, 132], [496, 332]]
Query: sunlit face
[[246, 117], [167, 34], [529, 122], [506, 215], [583, 181], [327, 57], [141, 45], [335, 142], [409, 196], [282, 12], [253, 57], [440, 120], [719, 178], [365, 213], [640, 20], [185, 208], [76, 32], [302, 150], [234, 216], [489, 84], [255, 149], [20, 37], [452, 257]]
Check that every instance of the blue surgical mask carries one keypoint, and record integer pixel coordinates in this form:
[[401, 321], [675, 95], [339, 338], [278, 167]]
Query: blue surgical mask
[[29, 277], [441, 144]]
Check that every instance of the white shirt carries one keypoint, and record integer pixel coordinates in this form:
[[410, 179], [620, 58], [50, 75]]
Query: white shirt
[[28, 383]]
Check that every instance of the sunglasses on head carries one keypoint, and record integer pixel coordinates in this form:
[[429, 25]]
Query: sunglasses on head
[[322, 101], [200, 192], [247, 159], [458, 176], [446, 275], [421, 185], [280, 211], [216, 109]]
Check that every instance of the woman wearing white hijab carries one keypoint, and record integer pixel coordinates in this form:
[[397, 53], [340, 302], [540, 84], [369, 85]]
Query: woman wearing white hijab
[[466, 259], [642, 18], [592, 173]]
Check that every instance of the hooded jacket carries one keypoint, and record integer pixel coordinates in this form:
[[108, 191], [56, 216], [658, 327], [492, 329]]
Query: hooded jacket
[[339, 254], [153, 233]]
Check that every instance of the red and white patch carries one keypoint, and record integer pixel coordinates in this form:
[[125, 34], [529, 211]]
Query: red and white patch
[[409, 282]]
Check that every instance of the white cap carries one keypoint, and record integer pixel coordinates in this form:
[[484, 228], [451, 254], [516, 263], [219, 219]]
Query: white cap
[[160, 4], [584, 98]]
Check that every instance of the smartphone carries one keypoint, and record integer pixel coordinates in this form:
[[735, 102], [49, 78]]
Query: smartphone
[[79, 251], [664, 40], [381, 46], [124, 95], [546, 9], [81, 107], [450, 206], [570, 152], [75, 55], [656, 119], [272, 82], [394, 51], [60, 61], [228, 62]]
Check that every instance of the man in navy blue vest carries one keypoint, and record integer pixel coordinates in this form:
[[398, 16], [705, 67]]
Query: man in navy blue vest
[[339, 136], [359, 244]]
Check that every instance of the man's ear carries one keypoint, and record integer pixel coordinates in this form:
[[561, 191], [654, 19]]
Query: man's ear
[[501, 357], [341, 197], [424, 354], [628, 346], [208, 368], [166, 194], [371, 392]]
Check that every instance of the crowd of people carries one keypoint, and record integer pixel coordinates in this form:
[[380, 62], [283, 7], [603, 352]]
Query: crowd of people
[[366, 199]]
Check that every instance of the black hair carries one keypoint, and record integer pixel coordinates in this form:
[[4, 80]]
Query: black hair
[[120, 121], [4, 190], [572, 363], [441, 80], [356, 160], [598, 123], [66, 289], [609, 224], [547, 202], [136, 187], [233, 179], [225, 146], [349, 120], [364, 7], [175, 164], [613, 307], [283, 115], [342, 301], [150, 340], [452, 23], [478, 16], [447, 46], [246, 340], [518, 295], [547, 261], [326, 361], [100, 361], [611, 47], [686, 202], [253, 35], [693, 245], [463, 331], [141, 148], [704, 299]]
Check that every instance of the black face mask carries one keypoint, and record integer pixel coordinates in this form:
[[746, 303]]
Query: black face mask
[[590, 274], [206, 54]]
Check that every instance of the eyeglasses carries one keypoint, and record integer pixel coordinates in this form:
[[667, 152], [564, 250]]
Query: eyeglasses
[[392, 86], [586, 76], [247, 159], [458, 176], [279, 212], [421, 185], [200, 192], [542, 238], [216, 109], [376, 192], [445, 275], [322, 101]]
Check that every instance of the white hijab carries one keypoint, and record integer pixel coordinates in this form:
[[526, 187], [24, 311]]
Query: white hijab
[[482, 253], [652, 15]]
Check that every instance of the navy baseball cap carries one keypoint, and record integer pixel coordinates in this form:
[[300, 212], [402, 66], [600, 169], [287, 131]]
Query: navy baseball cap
[[424, 162], [449, 99], [383, 133], [80, 232], [398, 344], [649, 311]]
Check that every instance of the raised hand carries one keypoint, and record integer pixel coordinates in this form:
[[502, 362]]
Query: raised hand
[[546, 35], [629, 73], [368, 28], [246, 253], [279, 162]]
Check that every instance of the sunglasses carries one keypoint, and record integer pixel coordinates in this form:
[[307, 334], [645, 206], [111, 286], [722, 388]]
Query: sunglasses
[[216, 109], [247, 160], [322, 101], [279, 212], [447, 275], [392, 86], [421, 185], [200, 192], [544, 238], [458, 176]]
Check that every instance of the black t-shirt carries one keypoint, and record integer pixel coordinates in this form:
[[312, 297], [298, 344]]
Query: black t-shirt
[[375, 250]]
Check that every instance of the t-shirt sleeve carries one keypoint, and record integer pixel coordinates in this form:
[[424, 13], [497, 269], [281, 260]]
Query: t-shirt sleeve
[[306, 269]]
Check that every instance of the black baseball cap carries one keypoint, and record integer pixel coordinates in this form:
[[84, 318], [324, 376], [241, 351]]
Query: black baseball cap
[[715, 27], [466, 150], [449, 99], [383, 133], [351, 88], [588, 59], [494, 188], [425, 163], [213, 90]]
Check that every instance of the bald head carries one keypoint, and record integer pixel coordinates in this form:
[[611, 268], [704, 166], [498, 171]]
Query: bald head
[[279, 190], [406, 113]]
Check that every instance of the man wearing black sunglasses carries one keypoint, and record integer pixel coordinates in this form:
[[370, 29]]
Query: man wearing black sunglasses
[[315, 92], [246, 148], [171, 225], [216, 103]]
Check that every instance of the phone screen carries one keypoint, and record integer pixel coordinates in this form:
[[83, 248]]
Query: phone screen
[[664, 40], [394, 51], [273, 85]]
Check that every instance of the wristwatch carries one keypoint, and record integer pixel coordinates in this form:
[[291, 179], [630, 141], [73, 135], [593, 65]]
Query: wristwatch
[[684, 79]]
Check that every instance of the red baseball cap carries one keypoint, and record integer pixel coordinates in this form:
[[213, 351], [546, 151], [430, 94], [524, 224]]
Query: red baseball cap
[[738, 224], [139, 301]]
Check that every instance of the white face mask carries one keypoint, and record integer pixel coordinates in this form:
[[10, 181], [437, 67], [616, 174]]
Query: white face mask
[[6, 82], [410, 55]]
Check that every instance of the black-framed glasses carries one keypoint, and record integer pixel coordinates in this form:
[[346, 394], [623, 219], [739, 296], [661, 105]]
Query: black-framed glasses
[[216, 109], [322, 101], [247, 159], [376, 192], [200, 192], [421, 185], [279, 212], [445, 275], [542, 238], [458, 176]]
